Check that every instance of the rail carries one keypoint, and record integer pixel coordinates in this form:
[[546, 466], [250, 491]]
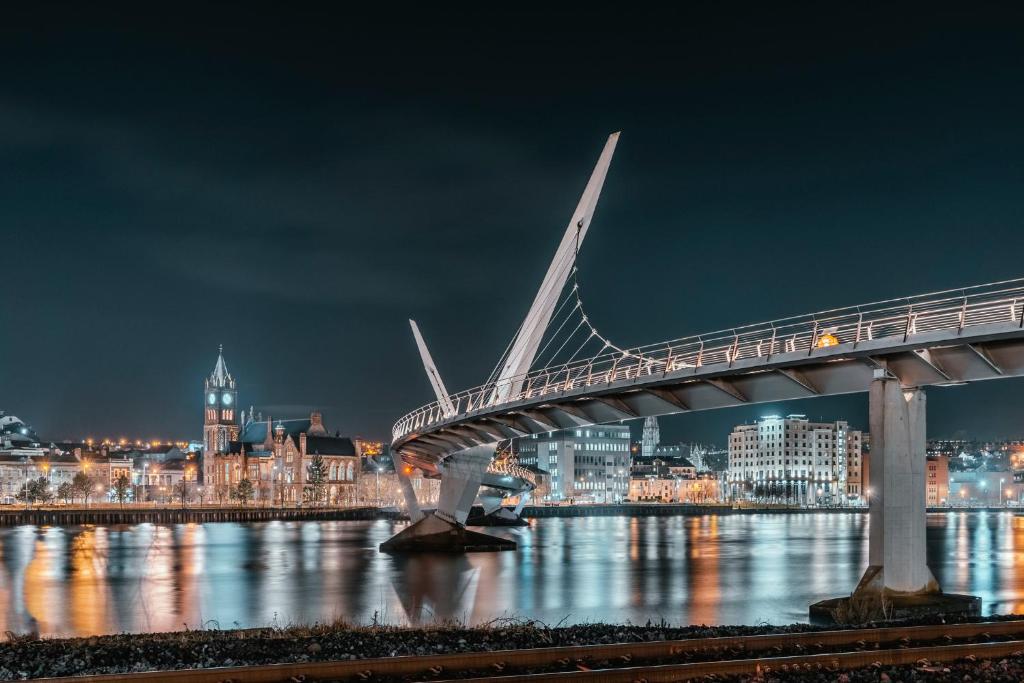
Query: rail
[[950, 310], [669, 660]]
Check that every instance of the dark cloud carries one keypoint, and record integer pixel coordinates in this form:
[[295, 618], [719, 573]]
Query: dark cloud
[[296, 184]]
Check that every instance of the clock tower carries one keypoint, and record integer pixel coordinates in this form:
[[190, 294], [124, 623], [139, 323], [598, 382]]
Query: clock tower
[[220, 399]]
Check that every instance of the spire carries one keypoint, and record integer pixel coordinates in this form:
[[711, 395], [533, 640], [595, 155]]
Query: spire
[[651, 437], [220, 377]]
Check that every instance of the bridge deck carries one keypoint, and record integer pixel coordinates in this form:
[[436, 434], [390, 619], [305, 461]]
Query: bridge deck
[[941, 339]]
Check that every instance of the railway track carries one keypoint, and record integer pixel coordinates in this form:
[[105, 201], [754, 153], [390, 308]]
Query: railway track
[[676, 660]]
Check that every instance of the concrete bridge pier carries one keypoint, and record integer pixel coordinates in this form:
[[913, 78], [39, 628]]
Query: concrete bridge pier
[[897, 582], [444, 530]]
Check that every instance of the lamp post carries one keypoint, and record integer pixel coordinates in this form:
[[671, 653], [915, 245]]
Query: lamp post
[[377, 473], [1001, 480]]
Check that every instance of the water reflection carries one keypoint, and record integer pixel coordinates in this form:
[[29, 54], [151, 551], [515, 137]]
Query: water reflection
[[731, 569]]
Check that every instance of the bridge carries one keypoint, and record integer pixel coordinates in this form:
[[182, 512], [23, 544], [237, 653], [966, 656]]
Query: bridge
[[892, 349]]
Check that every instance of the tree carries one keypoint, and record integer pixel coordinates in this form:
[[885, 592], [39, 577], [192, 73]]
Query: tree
[[65, 492], [33, 491], [122, 487], [81, 486], [316, 475], [243, 492], [180, 491], [40, 489]]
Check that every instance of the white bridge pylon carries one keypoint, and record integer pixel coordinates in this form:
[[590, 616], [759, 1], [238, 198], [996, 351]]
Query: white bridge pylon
[[515, 362], [526, 342]]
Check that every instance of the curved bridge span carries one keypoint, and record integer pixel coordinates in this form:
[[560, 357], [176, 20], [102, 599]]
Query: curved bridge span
[[946, 338], [890, 349]]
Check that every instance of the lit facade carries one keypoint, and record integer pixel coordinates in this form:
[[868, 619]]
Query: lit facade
[[273, 454], [220, 412], [589, 464], [794, 459]]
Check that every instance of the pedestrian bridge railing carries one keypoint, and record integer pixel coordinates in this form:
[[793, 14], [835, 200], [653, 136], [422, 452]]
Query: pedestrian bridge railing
[[896, 319]]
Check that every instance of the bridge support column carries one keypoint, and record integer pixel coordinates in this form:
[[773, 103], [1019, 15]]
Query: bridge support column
[[444, 530], [896, 547], [413, 505], [524, 498], [897, 582]]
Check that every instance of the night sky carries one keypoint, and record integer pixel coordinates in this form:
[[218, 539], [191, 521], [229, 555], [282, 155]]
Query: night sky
[[296, 184]]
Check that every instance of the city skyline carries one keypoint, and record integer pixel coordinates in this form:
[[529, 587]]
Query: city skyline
[[195, 197]]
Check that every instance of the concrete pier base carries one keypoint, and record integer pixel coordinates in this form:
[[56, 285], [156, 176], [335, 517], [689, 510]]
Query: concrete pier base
[[434, 534], [503, 516], [897, 582], [444, 529], [871, 601]]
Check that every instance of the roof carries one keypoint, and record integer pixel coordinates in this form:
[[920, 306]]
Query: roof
[[256, 432], [678, 462], [53, 457], [330, 445]]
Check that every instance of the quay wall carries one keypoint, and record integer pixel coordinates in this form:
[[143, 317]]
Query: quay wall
[[71, 516], [671, 509], [50, 516]]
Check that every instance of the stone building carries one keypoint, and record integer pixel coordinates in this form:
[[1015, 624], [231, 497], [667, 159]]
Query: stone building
[[274, 454]]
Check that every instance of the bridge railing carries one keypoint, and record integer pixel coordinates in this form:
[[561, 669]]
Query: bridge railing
[[893, 319]]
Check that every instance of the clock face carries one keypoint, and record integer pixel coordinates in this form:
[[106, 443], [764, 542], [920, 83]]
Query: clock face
[[226, 398], [211, 399]]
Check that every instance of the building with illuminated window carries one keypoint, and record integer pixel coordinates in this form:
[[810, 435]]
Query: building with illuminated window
[[795, 460], [273, 454], [589, 464], [220, 398]]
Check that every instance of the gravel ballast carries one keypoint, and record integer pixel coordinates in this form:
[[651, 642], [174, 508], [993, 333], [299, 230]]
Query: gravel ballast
[[29, 657]]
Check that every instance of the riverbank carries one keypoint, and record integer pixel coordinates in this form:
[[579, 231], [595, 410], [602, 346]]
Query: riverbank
[[687, 509], [111, 515], [72, 516], [26, 657]]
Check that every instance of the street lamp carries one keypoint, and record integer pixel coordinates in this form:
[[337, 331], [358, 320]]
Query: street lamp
[[378, 468]]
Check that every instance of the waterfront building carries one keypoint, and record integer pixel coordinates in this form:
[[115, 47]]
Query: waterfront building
[[791, 458], [18, 466], [937, 480], [983, 487], [157, 480], [663, 465], [670, 488], [104, 467], [587, 464], [273, 454]]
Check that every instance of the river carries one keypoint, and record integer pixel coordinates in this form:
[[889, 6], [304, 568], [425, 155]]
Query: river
[[732, 569]]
